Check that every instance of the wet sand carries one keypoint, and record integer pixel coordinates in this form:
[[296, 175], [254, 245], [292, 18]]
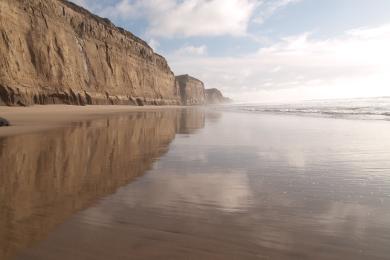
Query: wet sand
[[197, 184], [38, 118]]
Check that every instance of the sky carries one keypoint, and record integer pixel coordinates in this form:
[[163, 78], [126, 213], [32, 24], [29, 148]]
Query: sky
[[266, 50]]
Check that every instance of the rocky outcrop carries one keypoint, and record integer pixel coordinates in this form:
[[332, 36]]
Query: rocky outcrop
[[192, 91], [214, 96], [52, 51]]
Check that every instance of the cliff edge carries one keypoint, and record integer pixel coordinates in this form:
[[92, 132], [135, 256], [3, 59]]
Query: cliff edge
[[52, 51]]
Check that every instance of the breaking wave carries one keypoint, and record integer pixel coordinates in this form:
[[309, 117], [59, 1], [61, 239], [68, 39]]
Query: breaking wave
[[367, 108]]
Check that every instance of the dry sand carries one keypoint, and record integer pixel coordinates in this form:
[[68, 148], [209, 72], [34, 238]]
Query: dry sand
[[37, 118]]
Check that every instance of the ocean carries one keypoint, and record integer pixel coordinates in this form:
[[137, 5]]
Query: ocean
[[358, 108]]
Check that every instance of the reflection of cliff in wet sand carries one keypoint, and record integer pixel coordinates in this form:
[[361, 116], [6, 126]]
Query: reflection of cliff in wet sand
[[191, 120], [60, 172]]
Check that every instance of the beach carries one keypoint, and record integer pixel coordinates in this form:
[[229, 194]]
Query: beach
[[192, 183], [194, 129], [43, 117]]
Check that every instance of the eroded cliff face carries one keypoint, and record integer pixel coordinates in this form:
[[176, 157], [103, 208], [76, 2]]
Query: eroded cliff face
[[52, 51], [192, 91], [214, 96]]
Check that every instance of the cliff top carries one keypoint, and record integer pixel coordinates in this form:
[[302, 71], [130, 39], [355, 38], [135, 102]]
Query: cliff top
[[213, 90], [104, 21], [188, 77]]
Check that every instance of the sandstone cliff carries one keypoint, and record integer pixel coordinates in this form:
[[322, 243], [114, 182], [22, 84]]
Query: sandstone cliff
[[214, 96], [52, 51], [192, 91]]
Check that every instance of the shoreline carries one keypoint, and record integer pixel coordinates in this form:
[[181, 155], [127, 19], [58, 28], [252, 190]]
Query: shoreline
[[25, 120]]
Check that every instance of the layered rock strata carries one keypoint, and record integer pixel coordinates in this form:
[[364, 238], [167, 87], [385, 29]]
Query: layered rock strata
[[52, 51], [192, 91]]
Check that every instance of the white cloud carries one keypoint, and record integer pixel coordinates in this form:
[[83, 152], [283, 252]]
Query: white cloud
[[203, 17], [186, 18], [190, 50], [301, 67], [170, 18], [269, 7]]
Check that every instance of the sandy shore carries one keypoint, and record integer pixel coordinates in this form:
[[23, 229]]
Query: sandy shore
[[37, 118], [198, 185]]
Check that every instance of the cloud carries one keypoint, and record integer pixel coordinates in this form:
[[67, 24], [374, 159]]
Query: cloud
[[300, 67], [190, 50], [203, 18], [269, 7], [188, 18], [178, 18]]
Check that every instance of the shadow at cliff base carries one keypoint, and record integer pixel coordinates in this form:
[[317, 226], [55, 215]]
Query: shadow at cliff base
[[47, 177]]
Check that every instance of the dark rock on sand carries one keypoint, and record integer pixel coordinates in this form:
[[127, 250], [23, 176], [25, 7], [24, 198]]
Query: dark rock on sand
[[4, 122]]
